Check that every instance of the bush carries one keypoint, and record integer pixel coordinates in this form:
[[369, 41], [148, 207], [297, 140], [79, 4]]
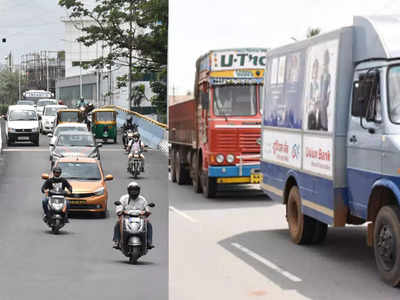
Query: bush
[[3, 108]]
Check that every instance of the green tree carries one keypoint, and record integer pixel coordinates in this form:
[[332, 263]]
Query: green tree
[[134, 31], [313, 32], [9, 84]]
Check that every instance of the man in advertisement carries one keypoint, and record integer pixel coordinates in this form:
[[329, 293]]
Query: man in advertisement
[[324, 93]]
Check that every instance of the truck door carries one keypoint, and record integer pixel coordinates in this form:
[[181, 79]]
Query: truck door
[[364, 150]]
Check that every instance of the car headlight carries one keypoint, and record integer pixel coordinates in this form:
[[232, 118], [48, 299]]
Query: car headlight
[[230, 158], [11, 129], [99, 191], [219, 158]]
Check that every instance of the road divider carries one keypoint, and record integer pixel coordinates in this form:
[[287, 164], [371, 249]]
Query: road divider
[[266, 262], [187, 217]]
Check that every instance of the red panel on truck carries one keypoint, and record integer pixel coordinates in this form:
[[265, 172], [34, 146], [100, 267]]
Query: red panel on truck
[[182, 126]]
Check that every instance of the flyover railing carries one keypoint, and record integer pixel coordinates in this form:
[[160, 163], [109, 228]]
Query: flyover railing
[[152, 132]]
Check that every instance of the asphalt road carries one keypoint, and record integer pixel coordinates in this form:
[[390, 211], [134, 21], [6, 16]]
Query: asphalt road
[[79, 263], [237, 247]]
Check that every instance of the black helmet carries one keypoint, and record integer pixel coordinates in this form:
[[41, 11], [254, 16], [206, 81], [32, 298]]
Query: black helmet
[[133, 189], [57, 171]]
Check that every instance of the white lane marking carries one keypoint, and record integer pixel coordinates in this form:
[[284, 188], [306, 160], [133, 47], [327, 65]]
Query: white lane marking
[[267, 263], [183, 214]]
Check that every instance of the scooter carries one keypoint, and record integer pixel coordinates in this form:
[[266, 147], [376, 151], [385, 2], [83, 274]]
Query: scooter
[[133, 228], [57, 207], [135, 164]]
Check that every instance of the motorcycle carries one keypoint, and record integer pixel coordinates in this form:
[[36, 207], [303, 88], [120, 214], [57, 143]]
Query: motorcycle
[[133, 227], [57, 207], [135, 164]]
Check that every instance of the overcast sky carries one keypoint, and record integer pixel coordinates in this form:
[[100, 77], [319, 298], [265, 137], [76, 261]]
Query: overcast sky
[[29, 26], [199, 26]]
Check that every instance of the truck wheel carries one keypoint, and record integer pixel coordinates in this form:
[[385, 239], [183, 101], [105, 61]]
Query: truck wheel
[[387, 244], [301, 227], [320, 232], [172, 163], [209, 185], [179, 170], [195, 175]]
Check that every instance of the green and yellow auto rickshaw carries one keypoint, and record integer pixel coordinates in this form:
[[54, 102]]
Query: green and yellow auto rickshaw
[[104, 124], [68, 115]]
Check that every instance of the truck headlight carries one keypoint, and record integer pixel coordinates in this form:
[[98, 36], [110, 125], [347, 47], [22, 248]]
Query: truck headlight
[[230, 158], [219, 158], [35, 129], [99, 191]]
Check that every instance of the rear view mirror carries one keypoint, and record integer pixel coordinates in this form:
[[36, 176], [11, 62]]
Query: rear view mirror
[[50, 135], [45, 176], [151, 204], [109, 177], [99, 145], [117, 202]]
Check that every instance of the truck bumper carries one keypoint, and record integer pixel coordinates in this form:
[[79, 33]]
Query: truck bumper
[[236, 174]]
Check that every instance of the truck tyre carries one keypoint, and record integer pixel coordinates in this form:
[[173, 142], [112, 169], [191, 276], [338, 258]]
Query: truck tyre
[[320, 231], [209, 185], [387, 244], [173, 171], [195, 175], [179, 169], [301, 227]]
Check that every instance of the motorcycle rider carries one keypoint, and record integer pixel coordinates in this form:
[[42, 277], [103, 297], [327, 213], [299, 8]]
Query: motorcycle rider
[[125, 127], [52, 184], [81, 102], [134, 144], [132, 201]]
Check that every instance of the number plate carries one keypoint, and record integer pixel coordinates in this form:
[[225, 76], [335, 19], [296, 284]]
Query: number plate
[[255, 176], [23, 138], [77, 201]]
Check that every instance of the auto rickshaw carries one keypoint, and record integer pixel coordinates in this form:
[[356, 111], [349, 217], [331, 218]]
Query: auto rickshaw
[[68, 115], [104, 124]]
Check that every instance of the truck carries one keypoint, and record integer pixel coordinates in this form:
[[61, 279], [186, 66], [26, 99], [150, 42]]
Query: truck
[[213, 136], [331, 135]]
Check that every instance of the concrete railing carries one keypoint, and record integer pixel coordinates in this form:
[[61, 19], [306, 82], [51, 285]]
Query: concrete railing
[[1, 137], [152, 133]]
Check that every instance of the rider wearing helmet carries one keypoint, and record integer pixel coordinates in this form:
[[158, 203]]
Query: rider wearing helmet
[[136, 144], [132, 201], [52, 184]]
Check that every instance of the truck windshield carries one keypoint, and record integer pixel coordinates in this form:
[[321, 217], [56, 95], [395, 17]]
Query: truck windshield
[[394, 94], [239, 100]]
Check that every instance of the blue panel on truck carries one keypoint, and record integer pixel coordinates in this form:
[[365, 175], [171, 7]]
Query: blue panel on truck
[[231, 171], [317, 193], [361, 183]]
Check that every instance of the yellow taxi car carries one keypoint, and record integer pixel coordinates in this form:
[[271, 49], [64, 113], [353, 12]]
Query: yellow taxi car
[[89, 190]]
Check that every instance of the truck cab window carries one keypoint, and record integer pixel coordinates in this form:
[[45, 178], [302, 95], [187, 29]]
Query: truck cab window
[[394, 94]]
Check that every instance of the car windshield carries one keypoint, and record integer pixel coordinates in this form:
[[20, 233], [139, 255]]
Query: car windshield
[[25, 102], [240, 100], [80, 171], [45, 102], [69, 116], [50, 111], [105, 116], [22, 115], [79, 140], [59, 130]]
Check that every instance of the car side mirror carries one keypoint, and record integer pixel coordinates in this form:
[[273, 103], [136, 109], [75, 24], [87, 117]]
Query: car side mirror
[[50, 135], [51, 145], [5, 117], [151, 204], [45, 176], [117, 202], [99, 145], [109, 177]]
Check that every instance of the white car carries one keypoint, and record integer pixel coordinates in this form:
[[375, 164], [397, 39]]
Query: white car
[[42, 103], [48, 117], [65, 127], [22, 124]]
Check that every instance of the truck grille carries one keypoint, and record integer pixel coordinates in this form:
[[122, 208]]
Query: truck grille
[[23, 130], [226, 141], [248, 142]]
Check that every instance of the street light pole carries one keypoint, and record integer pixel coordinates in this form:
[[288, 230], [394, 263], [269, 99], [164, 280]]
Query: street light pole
[[19, 79], [80, 70], [47, 70]]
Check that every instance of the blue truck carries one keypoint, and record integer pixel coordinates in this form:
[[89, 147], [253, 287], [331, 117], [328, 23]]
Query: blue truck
[[331, 135]]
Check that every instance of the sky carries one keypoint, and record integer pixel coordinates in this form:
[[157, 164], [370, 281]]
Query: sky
[[199, 26], [30, 26]]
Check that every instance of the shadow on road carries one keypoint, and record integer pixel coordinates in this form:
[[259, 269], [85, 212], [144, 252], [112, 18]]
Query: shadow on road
[[341, 266]]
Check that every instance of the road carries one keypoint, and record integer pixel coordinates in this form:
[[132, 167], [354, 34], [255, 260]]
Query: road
[[237, 247], [79, 263]]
